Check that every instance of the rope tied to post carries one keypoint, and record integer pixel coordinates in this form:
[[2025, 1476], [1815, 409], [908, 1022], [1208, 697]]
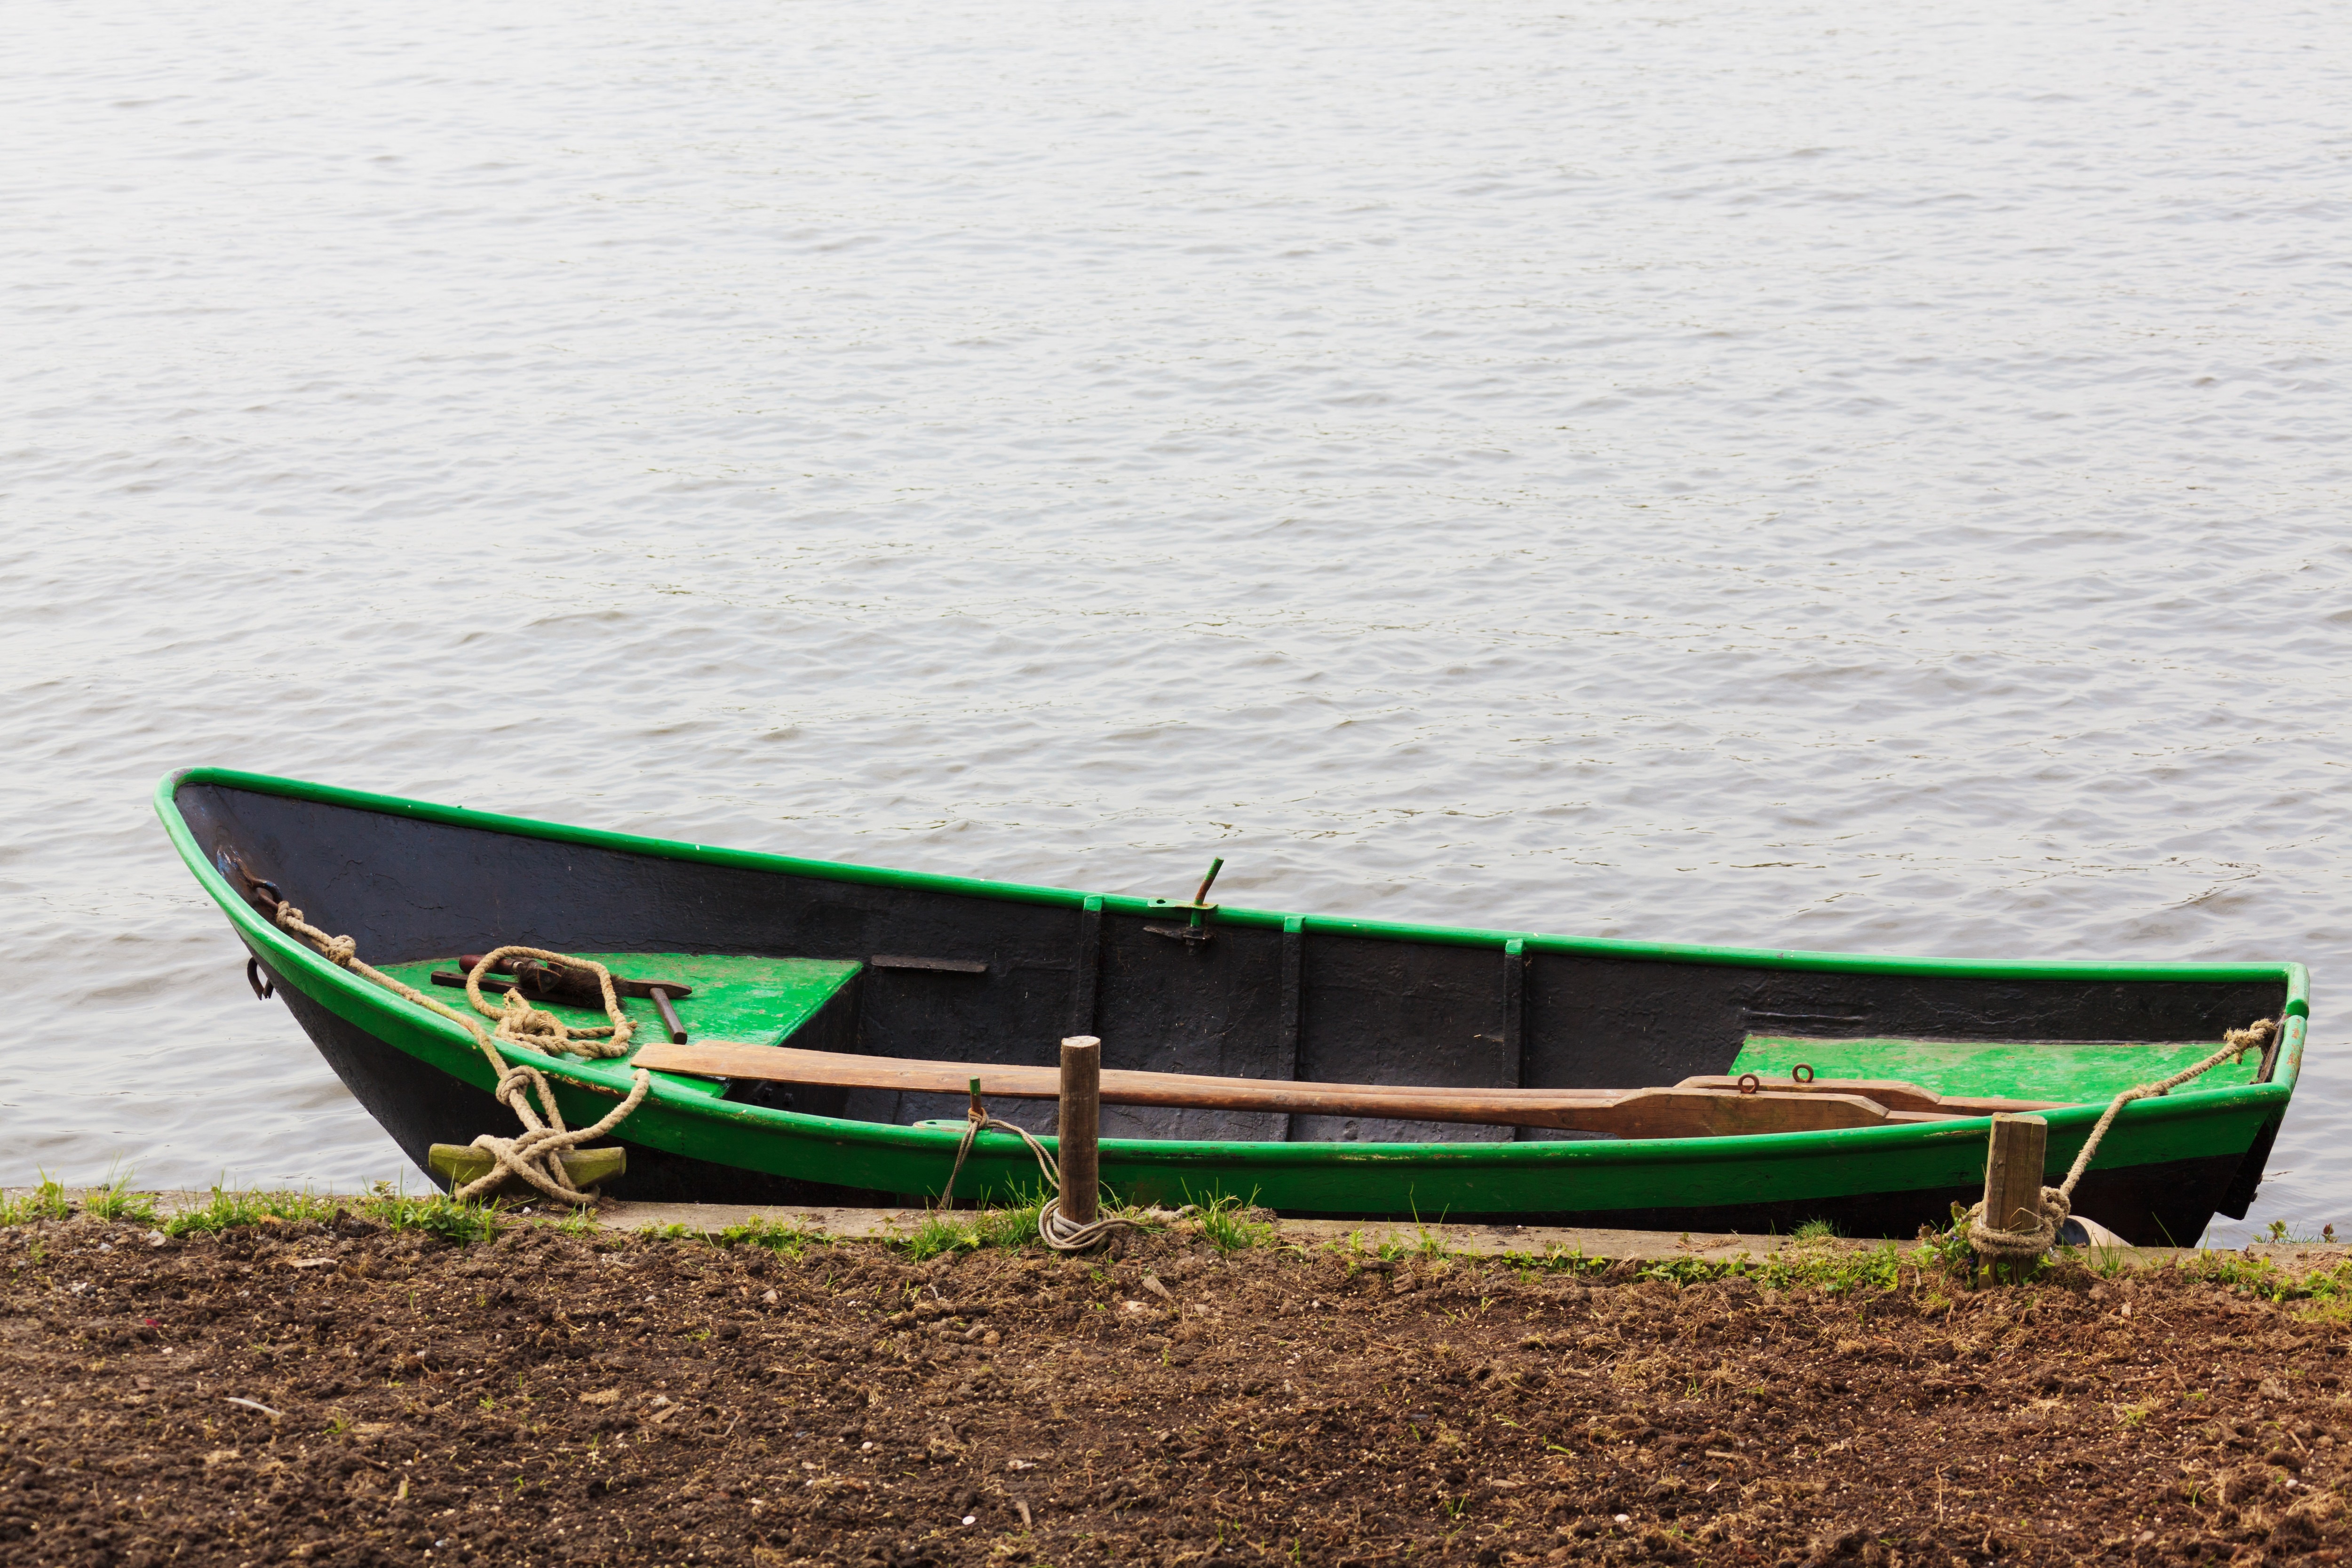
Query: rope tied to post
[[1061, 1233], [533, 1156], [1994, 1243]]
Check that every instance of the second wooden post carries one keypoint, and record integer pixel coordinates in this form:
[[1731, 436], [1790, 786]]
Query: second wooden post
[[1080, 1128], [2014, 1157]]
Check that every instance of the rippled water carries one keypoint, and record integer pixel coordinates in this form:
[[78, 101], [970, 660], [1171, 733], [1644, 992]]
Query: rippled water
[[1839, 477]]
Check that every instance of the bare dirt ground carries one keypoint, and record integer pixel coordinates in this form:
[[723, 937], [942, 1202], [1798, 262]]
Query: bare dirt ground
[[551, 1397]]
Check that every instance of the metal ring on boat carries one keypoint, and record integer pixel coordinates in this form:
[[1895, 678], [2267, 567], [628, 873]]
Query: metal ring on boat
[[262, 988], [1803, 1072], [1750, 1083]]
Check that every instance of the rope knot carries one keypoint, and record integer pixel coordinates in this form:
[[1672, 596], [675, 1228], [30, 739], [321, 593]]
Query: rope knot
[[338, 951], [522, 1024], [2057, 1203], [1057, 1231], [615, 1045], [534, 1156], [1992, 1242], [2253, 1036], [514, 1080]]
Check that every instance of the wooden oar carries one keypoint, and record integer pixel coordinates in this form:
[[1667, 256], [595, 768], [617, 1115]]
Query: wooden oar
[[1893, 1093], [1677, 1112]]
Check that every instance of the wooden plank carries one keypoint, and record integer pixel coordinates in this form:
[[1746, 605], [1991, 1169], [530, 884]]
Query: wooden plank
[[1676, 1112]]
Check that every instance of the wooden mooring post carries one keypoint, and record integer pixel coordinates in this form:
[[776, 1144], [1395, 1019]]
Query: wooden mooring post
[[2014, 1157], [1080, 1128]]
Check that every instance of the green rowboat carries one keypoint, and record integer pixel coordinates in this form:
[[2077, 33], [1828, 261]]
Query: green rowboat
[[770, 951]]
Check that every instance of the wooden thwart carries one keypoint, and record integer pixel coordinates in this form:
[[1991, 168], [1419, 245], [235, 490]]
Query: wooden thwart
[[1697, 1107]]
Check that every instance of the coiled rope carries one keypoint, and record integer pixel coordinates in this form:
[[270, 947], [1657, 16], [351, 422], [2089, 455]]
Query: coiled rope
[[533, 1156], [1993, 1243], [1054, 1228]]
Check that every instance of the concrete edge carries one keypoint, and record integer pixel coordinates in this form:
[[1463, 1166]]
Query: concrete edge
[[887, 1225]]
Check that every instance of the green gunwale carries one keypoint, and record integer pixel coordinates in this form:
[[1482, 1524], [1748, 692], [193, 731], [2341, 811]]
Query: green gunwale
[[681, 1115]]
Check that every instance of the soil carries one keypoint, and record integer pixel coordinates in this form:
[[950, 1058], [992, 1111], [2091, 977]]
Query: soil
[[557, 1398]]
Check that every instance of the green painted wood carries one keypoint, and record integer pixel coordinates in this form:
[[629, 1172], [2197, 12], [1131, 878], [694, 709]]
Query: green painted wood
[[749, 1001], [2071, 1071], [683, 1116]]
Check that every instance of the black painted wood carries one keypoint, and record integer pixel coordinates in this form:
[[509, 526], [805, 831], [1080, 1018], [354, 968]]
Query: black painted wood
[[1294, 1008], [1087, 986]]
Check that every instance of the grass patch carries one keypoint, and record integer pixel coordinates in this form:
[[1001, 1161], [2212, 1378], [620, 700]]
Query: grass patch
[[1879, 1268], [45, 1200], [1944, 1260], [579, 1221], [2329, 1289], [440, 1216], [115, 1201], [231, 1210], [775, 1235], [437, 1215], [1836, 1271], [1225, 1221], [1949, 1246], [1007, 1227], [939, 1234]]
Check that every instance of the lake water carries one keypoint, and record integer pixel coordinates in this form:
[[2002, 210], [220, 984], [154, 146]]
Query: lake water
[[1852, 477]]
